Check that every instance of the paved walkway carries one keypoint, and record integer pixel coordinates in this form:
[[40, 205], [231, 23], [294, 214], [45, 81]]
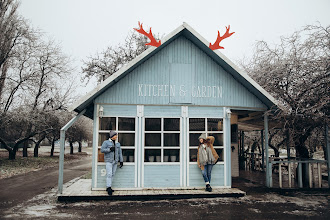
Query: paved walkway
[[17, 189]]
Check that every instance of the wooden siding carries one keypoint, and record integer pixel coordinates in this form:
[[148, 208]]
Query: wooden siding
[[198, 111], [119, 110], [196, 178], [162, 111], [124, 177], [191, 68], [162, 176]]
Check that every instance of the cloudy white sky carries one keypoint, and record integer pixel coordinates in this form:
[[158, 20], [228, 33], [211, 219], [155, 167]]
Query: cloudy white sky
[[83, 27]]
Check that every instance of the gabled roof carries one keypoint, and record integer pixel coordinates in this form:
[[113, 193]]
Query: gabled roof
[[86, 102]]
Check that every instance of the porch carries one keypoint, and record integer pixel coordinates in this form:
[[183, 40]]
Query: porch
[[80, 190]]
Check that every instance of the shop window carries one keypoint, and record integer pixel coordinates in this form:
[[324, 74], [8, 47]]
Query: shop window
[[218, 139], [152, 139], [171, 155], [209, 126], [171, 140], [193, 139], [100, 156], [196, 124], [162, 140], [107, 123], [171, 124], [193, 155], [126, 124], [126, 139], [152, 124], [103, 137], [128, 155], [126, 135], [214, 124], [152, 155], [220, 153]]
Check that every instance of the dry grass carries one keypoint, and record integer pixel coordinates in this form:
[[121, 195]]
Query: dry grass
[[22, 165]]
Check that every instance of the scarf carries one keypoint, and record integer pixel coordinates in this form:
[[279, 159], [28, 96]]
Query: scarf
[[205, 155]]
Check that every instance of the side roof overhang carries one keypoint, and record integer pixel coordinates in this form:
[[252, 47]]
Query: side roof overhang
[[86, 102]]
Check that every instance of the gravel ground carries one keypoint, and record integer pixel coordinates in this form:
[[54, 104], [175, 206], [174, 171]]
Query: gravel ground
[[258, 205]]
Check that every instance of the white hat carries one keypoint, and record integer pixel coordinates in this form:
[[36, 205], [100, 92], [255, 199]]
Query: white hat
[[203, 136]]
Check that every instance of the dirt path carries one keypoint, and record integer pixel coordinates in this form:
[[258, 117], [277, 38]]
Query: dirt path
[[20, 188]]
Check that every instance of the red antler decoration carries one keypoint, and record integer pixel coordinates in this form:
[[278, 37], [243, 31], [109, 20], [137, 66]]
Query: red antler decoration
[[219, 39], [153, 41]]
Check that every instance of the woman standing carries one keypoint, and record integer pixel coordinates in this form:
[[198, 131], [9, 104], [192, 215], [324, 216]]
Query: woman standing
[[206, 158]]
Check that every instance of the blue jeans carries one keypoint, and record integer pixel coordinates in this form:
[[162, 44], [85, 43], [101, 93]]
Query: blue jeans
[[207, 172], [111, 170]]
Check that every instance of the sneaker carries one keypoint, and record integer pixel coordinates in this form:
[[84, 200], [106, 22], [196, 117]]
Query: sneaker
[[208, 188], [109, 190]]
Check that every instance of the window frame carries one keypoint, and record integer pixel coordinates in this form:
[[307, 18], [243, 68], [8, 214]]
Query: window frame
[[119, 132], [207, 133], [162, 147]]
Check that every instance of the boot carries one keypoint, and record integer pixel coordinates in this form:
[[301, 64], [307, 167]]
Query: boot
[[109, 190], [208, 188]]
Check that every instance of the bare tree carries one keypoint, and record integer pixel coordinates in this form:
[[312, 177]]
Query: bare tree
[[104, 64], [38, 83], [80, 131], [13, 32], [296, 72], [14, 128]]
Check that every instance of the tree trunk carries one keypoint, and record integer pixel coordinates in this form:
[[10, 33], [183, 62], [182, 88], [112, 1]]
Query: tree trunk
[[53, 147], [71, 147], [80, 146], [36, 149], [12, 155], [25, 147]]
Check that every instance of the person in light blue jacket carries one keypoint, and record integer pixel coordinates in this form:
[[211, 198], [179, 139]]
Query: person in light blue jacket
[[112, 155]]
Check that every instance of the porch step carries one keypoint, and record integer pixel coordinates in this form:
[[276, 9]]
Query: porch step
[[81, 191]]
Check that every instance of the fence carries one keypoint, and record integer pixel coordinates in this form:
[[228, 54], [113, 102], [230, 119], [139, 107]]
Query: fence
[[253, 161], [292, 170]]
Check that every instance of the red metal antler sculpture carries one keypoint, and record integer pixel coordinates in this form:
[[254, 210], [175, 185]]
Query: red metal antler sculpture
[[153, 41], [220, 38]]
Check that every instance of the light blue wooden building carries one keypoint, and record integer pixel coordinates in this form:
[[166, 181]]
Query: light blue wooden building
[[161, 102]]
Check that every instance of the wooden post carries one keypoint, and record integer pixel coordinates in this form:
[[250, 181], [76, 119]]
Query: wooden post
[[319, 174], [280, 174], [289, 173], [310, 175], [243, 152], [327, 145], [300, 183], [268, 167], [288, 144], [62, 143], [239, 145], [262, 150]]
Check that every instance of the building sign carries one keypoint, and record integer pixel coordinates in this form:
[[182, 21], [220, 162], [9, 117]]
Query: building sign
[[165, 90]]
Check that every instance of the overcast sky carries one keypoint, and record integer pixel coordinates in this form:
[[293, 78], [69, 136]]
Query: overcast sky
[[83, 27]]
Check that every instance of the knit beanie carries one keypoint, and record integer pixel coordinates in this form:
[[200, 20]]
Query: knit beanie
[[112, 133], [203, 136]]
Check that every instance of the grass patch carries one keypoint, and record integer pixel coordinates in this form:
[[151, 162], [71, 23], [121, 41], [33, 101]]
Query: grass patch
[[22, 165], [87, 175], [25, 164]]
